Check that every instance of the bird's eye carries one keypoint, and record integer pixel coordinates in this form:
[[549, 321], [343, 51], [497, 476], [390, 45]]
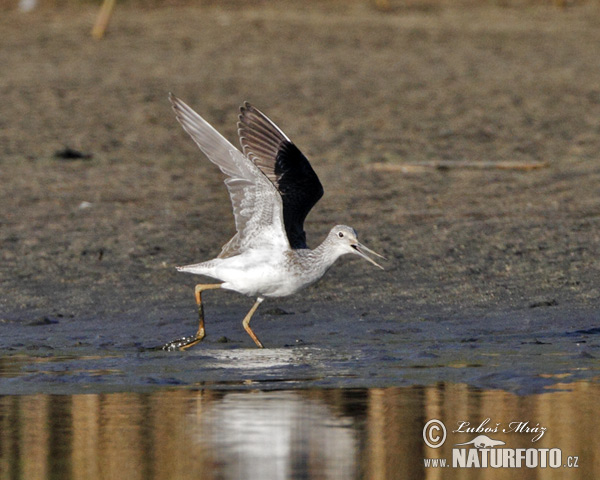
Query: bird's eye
[[341, 234]]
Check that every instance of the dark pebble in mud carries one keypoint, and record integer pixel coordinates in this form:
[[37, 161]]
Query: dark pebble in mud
[[68, 153], [276, 311], [536, 342], [43, 321], [544, 303]]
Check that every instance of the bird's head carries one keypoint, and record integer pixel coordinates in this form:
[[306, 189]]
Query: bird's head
[[345, 240]]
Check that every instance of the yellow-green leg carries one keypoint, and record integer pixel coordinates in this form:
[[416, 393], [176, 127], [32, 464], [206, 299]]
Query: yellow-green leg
[[246, 322], [188, 342]]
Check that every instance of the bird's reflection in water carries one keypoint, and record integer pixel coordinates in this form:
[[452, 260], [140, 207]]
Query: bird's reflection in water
[[278, 435]]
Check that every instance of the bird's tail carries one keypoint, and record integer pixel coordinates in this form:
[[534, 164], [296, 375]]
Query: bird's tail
[[204, 268]]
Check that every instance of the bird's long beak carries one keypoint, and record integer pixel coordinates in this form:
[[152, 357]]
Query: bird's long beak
[[360, 249]]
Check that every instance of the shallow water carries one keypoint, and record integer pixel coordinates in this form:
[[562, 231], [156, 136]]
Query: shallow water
[[519, 352], [372, 433]]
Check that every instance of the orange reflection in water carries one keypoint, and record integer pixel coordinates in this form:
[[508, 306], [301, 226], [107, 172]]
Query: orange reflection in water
[[329, 434]]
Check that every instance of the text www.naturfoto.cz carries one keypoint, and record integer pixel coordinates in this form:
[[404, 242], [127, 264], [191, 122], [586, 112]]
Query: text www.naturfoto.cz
[[434, 462]]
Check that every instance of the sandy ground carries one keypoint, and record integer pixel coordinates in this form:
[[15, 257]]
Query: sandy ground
[[480, 261]]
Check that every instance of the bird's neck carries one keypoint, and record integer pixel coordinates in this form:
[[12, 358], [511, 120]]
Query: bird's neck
[[326, 255]]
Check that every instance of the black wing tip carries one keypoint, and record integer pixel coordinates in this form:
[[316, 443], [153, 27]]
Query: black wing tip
[[176, 104], [245, 118], [244, 108], [248, 109]]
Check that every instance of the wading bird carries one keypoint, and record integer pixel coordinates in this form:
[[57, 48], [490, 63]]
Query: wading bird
[[272, 188]]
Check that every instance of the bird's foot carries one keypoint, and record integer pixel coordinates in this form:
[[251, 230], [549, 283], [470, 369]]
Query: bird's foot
[[182, 343]]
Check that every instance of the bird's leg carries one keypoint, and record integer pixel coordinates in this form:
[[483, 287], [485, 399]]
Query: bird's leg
[[246, 322], [187, 342]]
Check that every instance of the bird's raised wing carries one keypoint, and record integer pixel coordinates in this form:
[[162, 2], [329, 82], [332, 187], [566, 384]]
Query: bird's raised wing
[[256, 203], [285, 165]]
